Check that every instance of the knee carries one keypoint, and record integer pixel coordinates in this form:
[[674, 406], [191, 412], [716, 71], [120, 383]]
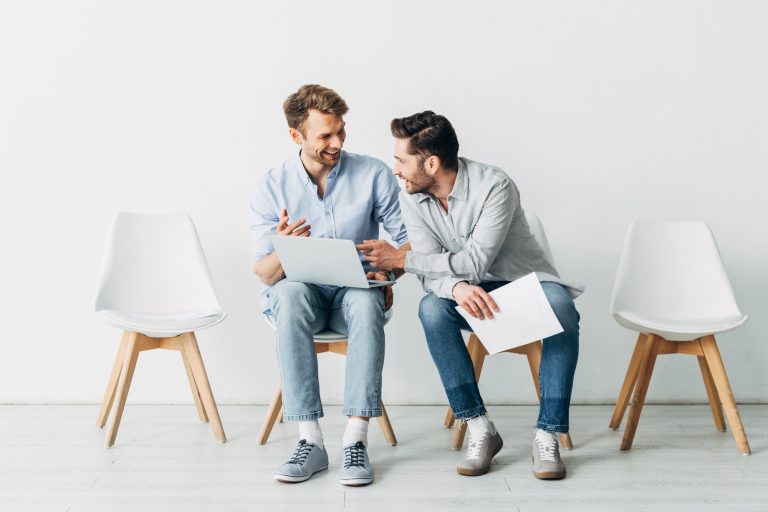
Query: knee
[[562, 304], [361, 301], [287, 296], [434, 310]]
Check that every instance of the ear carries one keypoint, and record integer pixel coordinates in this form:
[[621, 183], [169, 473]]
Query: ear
[[296, 136], [432, 165]]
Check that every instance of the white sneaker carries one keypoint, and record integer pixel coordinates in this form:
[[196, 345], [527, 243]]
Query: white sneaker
[[545, 454]]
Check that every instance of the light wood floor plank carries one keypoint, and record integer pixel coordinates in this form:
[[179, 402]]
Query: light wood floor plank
[[54, 460]]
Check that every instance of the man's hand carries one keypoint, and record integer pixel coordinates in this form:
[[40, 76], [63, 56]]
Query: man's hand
[[389, 295], [475, 301], [382, 255], [295, 229]]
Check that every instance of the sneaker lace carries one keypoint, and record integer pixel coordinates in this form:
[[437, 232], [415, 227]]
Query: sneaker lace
[[475, 445], [301, 453], [354, 455], [547, 448]]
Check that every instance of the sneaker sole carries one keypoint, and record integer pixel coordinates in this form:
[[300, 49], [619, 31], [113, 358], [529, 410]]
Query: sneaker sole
[[355, 482], [479, 471], [288, 479], [548, 475]]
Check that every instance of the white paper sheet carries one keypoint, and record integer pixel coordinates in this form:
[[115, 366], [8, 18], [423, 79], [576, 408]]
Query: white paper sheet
[[524, 316]]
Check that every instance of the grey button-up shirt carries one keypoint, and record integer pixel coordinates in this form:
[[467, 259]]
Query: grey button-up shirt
[[484, 235]]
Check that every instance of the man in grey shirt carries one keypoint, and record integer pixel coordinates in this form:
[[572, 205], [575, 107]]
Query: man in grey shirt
[[469, 236]]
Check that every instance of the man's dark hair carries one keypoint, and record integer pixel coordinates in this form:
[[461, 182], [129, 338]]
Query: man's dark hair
[[429, 134]]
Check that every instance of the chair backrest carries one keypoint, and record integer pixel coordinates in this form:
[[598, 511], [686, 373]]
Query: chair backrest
[[155, 264], [672, 270], [537, 230]]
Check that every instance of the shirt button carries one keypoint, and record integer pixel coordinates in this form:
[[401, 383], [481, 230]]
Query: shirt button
[[327, 214]]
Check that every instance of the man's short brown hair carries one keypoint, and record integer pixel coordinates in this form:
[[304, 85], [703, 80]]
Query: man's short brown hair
[[312, 97]]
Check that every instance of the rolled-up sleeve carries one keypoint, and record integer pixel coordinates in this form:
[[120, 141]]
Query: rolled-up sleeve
[[387, 206], [263, 221], [442, 270]]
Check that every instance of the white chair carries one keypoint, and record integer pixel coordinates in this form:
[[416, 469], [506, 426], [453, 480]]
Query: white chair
[[671, 287], [478, 352], [156, 287], [325, 341]]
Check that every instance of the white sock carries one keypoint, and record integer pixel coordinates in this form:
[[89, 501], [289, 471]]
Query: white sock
[[310, 431], [480, 425], [545, 437], [357, 430]]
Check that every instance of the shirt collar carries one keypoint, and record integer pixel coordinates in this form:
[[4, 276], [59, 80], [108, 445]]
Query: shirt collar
[[460, 185], [305, 179]]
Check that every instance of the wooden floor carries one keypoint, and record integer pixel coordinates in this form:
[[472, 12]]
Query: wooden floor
[[53, 458]]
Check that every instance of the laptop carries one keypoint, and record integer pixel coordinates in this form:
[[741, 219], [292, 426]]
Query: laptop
[[329, 261]]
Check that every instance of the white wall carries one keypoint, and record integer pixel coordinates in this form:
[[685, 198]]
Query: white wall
[[601, 111]]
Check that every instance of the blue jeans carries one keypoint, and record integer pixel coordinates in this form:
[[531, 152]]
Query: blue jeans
[[301, 310], [442, 327]]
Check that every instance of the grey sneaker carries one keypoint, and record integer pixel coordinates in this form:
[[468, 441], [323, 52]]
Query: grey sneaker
[[480, 453], [307, 459], [545, 454], [356, 469]]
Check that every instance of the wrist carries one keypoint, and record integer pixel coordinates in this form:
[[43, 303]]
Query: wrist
[[403, 255], [453, 290]]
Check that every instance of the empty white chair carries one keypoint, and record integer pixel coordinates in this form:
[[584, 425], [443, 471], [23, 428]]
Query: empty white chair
[[156, 287], [671, 287], [325, 341]]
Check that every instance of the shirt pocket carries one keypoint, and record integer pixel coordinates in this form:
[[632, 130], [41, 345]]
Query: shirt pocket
[[352, 220]]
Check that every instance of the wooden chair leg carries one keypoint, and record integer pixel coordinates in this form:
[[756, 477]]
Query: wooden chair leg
[[712, 396], [650, 350], [130, 357], [533, 353], [386, 427], [458, 436], [450, 419], [192, 352], [280, 417], [195, 392], [109, 394], [629, 384], [715, 363], [565, 442], [275, 408]]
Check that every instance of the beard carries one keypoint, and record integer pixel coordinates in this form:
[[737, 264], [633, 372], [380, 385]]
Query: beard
[[420, 183]]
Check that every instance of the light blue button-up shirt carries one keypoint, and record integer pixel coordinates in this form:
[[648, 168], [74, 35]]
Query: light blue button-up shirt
[[360, 193]]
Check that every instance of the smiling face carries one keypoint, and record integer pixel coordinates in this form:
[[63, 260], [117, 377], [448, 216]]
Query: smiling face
[[321, 138], [411, 169]]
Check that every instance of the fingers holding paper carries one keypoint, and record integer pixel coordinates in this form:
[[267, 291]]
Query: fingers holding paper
[[474, 300]]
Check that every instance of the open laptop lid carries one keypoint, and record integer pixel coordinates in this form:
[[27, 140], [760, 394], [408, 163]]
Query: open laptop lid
[[321, 261]]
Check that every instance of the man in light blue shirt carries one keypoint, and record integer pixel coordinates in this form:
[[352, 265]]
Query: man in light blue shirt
[[325, 192]]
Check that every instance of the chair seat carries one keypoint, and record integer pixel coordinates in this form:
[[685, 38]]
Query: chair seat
[[162, 325], [679, 329]]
